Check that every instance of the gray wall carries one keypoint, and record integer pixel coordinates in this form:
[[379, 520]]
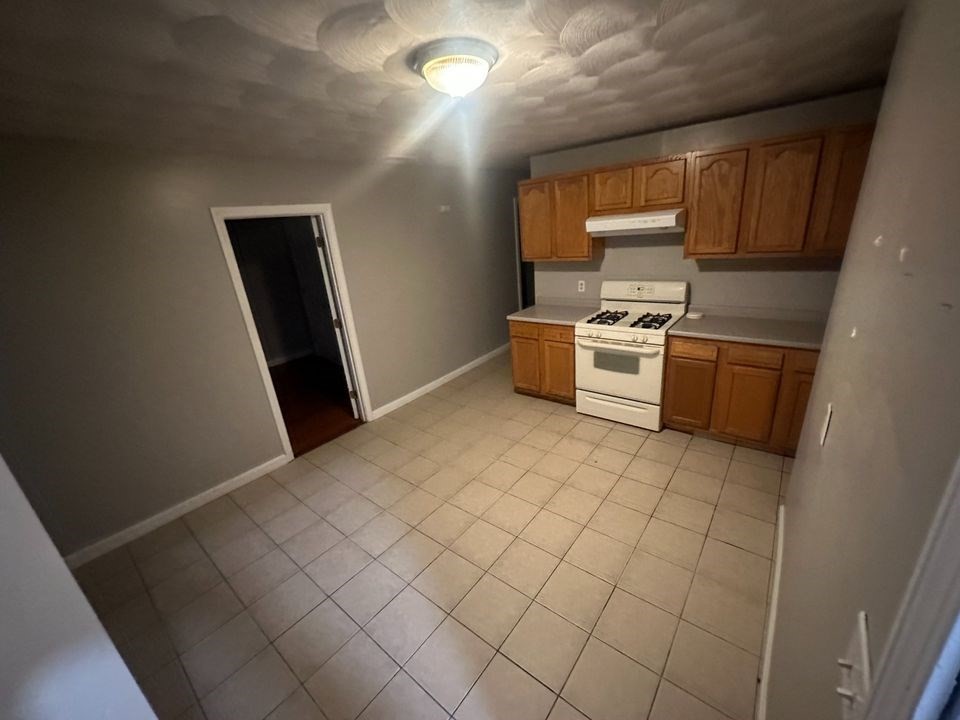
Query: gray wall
[[758, 286], [127, 380], [774, 287], [57, 660], [265, 260], [859, 507]]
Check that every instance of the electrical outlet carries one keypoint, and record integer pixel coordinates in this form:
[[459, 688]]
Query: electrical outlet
[[581, 285]]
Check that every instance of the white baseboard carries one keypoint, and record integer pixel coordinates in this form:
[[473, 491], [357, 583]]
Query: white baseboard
[[101, 547], [111, 542], [420, 392], [771, 621]]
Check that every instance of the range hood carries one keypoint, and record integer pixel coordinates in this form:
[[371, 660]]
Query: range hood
[[645, 223]]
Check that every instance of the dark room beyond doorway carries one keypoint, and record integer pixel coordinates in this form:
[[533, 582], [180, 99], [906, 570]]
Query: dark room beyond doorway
[[285, 286]]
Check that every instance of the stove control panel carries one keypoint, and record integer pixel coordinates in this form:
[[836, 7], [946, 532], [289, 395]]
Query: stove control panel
[[640, 291]]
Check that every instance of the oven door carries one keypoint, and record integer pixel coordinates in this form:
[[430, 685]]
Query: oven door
[[619, 369]]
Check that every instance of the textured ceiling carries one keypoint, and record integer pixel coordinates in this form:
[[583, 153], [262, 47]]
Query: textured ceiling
[[328, 78]]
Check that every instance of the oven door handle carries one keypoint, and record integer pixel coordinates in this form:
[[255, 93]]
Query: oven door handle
[[625, 349]]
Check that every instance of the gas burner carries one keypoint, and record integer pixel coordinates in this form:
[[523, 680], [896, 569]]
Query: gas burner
[[651, 321], [607, 317]]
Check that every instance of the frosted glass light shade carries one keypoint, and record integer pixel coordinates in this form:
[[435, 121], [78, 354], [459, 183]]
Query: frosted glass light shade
[[455, 66]]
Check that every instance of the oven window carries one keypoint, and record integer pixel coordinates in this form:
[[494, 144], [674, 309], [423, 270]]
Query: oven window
[[617, 362]]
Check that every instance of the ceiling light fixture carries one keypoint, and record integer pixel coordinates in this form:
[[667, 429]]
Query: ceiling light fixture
[[454, 66]]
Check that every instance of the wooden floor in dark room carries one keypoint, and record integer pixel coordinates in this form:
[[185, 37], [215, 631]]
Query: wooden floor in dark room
[[314, 401]]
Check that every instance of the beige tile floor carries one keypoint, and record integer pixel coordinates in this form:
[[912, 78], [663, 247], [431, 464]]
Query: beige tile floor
[[476, 554]]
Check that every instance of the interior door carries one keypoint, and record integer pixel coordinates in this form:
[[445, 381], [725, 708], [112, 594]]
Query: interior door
[[333, 296]]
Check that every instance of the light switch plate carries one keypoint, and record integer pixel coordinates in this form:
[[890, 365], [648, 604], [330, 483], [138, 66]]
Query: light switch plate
[[826, 423]]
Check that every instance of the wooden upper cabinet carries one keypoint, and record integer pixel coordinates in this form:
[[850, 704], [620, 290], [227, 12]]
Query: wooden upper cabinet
[[782, 178], [792, 196], [660, 183], [716, 202], [838, 186], [613, 189], [571, 207], [535, 203]]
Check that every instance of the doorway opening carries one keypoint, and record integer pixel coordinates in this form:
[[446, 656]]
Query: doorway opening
[[288, 278]]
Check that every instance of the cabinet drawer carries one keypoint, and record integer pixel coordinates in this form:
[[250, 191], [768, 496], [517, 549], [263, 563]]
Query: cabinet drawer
[[693, 350], [753, 356], [557, 333], [805, 360], [524, 329]]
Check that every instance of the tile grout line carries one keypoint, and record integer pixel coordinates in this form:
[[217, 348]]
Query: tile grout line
[[463, 404]]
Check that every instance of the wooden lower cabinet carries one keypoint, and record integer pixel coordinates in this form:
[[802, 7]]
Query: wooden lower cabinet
[[794, 394], [556, 365], [543, 360], [688, 397], [525, 353], [746, 400], [738, 391]]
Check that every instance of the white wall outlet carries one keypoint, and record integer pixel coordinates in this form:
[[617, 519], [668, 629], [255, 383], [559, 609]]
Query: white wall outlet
[[826, 423], [855, 671], [581, 285]]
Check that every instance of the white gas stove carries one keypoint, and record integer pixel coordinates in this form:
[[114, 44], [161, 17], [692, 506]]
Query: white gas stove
[[620, 350]]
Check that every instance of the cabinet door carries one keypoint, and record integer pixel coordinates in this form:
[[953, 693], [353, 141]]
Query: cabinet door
[[716, 202], [794, 395], [536, 221], [781, 185], [746, 401], [613, 189], [571, 207], [525, 353], [556, 362], [661, 183], [802, 384], [688, 396], [838, 186]]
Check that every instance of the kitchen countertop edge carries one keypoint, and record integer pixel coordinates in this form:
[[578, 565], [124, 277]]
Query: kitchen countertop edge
[[553, 314], [755, 331]]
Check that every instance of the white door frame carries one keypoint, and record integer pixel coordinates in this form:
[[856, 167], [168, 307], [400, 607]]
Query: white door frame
[[220, 216], [926, 616]]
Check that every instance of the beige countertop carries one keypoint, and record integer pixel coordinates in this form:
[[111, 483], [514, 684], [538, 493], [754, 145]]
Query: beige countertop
[[553, 314], [803, 334]]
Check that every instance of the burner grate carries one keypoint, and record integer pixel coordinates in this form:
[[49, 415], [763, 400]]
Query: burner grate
[[607, 317], [651, 321]]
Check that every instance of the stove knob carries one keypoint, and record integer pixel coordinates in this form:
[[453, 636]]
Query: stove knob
[[633, 338]]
